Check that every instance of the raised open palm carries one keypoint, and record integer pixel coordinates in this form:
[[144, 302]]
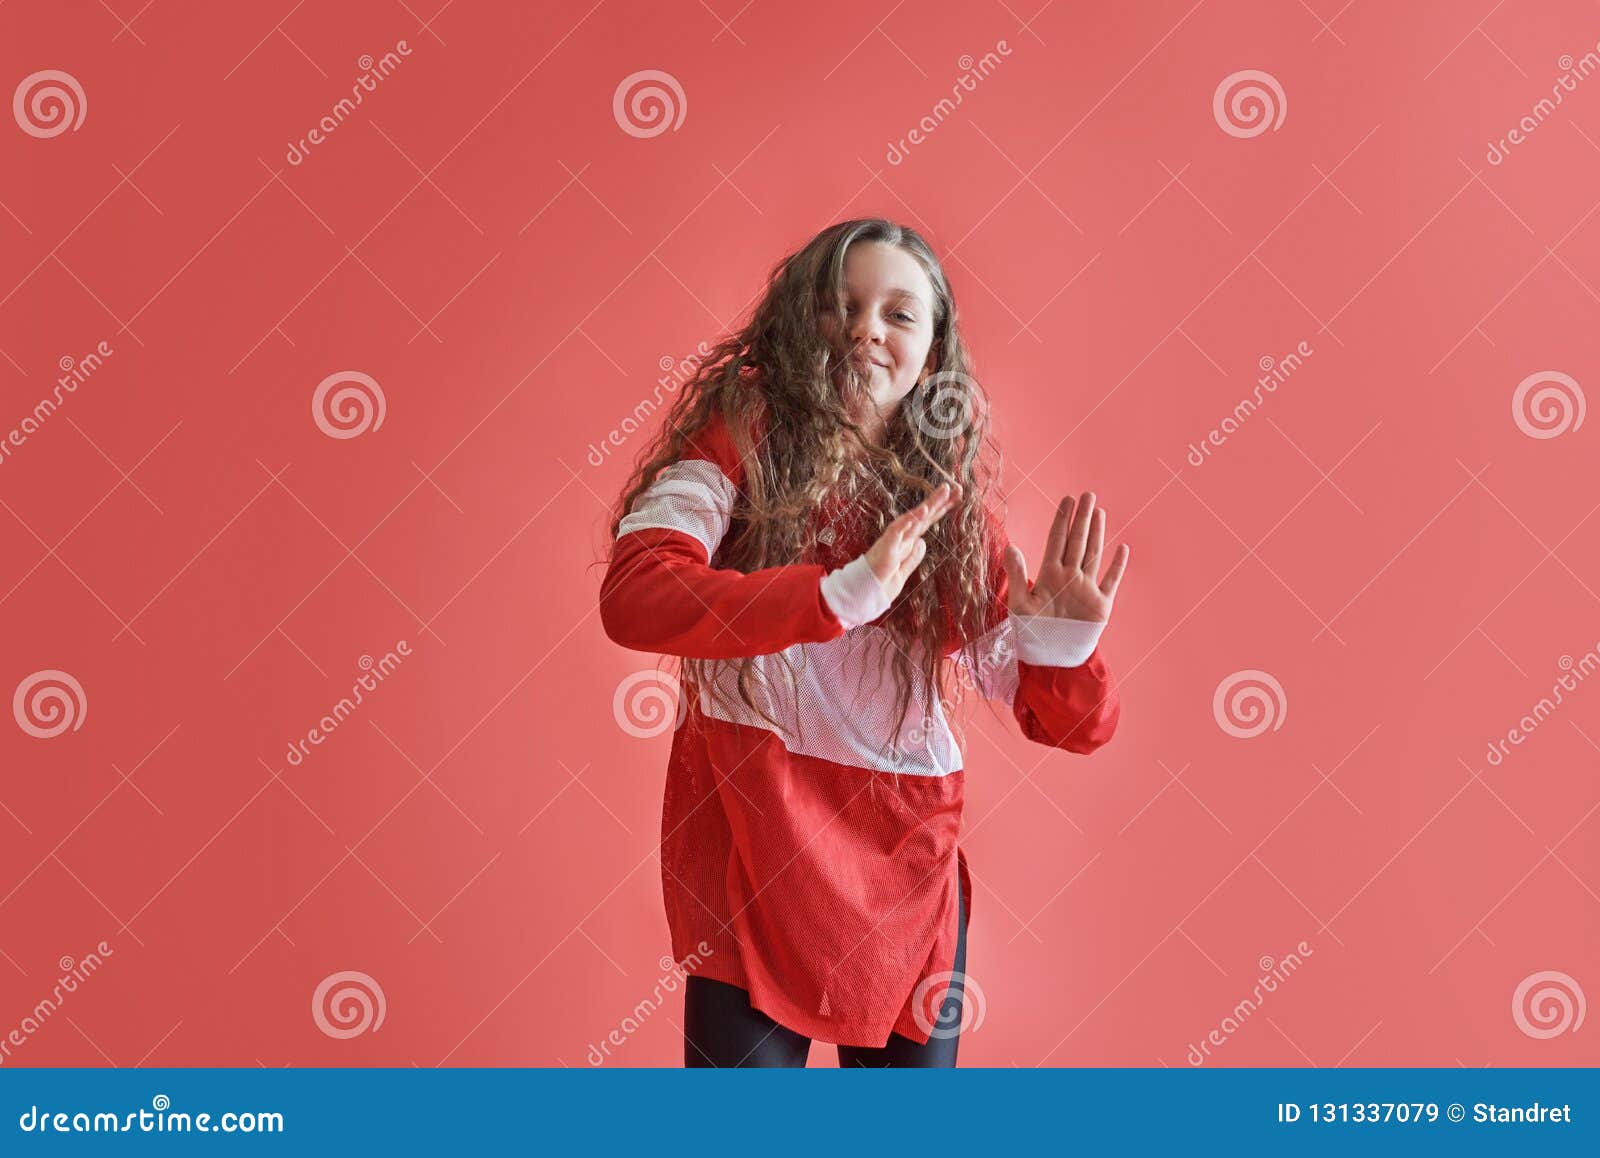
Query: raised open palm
[[898, 551], [1068, 584]]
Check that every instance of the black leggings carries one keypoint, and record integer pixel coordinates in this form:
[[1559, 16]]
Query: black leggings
[[721, 1030]]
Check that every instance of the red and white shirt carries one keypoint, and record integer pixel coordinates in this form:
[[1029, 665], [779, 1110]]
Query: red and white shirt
[[818, 860]]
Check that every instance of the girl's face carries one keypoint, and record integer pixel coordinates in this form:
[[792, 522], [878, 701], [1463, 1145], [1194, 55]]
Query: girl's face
[[888, 323]]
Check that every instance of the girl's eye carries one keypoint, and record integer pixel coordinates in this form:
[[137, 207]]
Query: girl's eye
[[901, 314]]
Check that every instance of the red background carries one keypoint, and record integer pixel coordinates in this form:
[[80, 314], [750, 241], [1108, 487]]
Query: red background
[[484, 240]]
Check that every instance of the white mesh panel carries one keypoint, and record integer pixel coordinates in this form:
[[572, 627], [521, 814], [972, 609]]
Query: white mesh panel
[[846, 702], [995, 676]]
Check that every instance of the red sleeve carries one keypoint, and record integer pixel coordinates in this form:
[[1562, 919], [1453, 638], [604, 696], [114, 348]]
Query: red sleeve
[[660, 592], [1060, 696]]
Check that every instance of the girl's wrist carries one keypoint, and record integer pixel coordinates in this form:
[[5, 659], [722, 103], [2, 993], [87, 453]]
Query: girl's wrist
[[1056, 641], [854, 594]]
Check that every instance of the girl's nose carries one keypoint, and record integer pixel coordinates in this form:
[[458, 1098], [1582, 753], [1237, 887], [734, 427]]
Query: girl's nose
[[864, 329]]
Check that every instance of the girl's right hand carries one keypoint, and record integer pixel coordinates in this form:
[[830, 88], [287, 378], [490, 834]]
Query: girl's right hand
[[900, 548]]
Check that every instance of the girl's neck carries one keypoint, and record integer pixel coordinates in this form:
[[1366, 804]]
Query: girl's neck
[[875, 425]]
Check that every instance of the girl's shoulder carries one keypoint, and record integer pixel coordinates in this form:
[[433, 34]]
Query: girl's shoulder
[[718, 442]]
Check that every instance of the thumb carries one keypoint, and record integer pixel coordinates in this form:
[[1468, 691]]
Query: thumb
[[904, 563], [1016, 571], [912, 559]]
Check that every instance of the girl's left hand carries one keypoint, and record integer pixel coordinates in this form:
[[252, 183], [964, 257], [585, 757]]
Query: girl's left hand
[[1067, 585]]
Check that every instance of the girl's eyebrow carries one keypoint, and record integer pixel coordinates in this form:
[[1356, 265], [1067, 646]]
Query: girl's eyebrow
[[896, 292]]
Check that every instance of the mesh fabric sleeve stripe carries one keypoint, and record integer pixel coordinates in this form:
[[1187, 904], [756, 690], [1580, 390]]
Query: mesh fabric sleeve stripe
[[692, 496], [660, 593], [854, 593], [1054, 641]]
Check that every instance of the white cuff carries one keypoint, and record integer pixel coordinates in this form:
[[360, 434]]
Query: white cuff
[[1055, 641], [854, 594]]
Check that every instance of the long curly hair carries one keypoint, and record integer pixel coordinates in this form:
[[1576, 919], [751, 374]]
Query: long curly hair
[[787, 396]]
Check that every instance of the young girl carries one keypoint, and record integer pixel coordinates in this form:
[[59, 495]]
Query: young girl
[[813, 882]]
